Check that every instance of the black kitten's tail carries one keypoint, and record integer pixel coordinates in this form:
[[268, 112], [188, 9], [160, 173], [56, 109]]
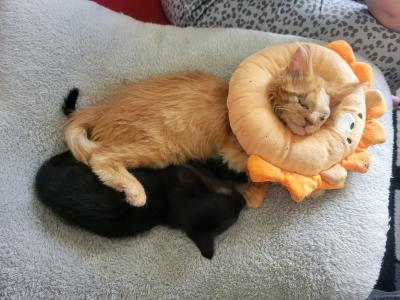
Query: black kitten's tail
[[69, 105]]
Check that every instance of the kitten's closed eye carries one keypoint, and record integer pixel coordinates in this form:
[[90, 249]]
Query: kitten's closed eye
[[298, 99], [303, 104]]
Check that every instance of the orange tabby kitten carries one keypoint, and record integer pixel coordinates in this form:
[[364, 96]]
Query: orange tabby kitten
[[155, 123], [303, 100]]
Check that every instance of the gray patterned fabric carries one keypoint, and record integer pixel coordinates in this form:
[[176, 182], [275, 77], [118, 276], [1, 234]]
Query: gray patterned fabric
[[326, 20]]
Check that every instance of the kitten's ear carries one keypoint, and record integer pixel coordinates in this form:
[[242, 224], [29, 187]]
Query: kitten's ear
[[300, 62], [338, 91], [204, 240]]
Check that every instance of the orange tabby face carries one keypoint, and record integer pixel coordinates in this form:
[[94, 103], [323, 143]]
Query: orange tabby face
[[301, 99], [303, 109]]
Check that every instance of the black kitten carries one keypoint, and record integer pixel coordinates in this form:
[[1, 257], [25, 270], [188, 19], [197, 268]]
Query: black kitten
[[179, 197]]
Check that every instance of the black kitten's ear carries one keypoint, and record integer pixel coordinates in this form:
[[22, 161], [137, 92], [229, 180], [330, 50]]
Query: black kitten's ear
[[204, 240]]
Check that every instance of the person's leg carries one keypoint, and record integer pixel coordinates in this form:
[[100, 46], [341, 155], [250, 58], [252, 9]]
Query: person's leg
[[387, 12]]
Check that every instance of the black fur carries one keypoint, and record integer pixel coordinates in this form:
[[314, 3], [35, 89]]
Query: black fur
[[69, 105], [182, 197]]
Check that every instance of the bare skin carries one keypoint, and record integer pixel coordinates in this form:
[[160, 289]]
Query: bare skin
[[387, 12]]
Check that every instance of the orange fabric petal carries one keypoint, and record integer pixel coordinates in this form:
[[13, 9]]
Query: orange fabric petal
[[343, 49], [261, 171], [358, 161], [363, 72], [375, 103], [374, 133], [299, 186]]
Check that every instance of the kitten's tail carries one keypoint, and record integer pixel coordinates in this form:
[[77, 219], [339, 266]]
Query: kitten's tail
[[75, 131], [70, 102]]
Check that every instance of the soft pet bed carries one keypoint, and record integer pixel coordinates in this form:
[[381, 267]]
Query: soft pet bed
[[329, 248]]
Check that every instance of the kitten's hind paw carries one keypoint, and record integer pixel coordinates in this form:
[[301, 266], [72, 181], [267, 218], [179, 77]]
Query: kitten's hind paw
[[135, 196], [255, 194]]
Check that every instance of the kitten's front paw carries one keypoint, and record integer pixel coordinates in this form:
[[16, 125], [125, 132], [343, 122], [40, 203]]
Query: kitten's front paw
[[136, 196]]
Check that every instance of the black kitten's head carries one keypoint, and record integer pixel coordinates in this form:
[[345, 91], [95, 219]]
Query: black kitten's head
[[197, 182], [203, 206]]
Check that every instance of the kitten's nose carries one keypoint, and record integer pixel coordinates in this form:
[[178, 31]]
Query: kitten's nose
[[311, 119]]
